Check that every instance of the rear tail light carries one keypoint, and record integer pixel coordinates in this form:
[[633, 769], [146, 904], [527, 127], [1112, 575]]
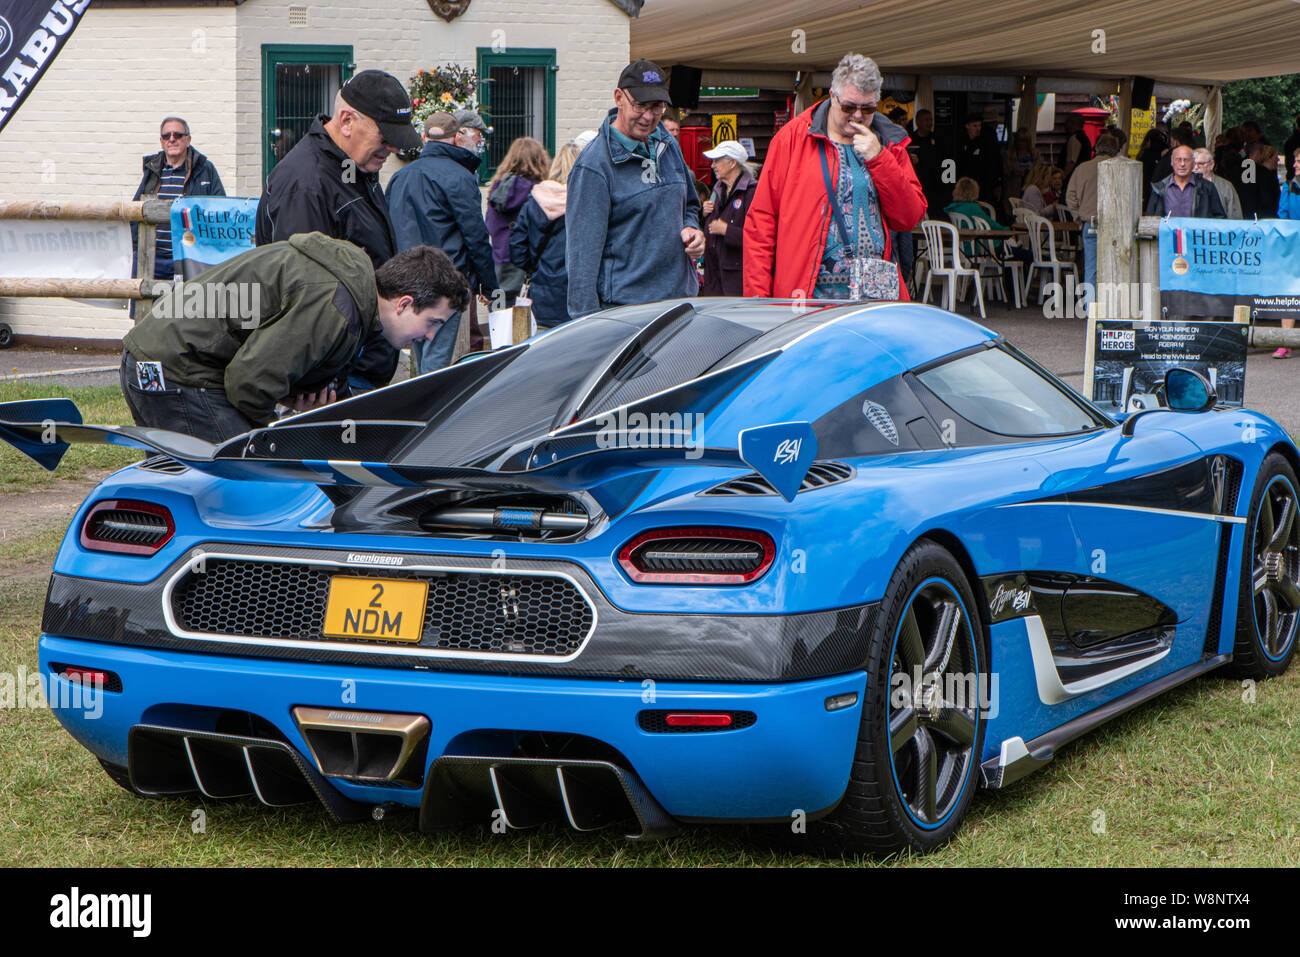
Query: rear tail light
[[698, 556], [94, 677], [678, 722], [130, 528]]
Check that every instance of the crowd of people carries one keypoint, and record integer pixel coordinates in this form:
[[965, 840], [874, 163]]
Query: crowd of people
[[355, 273]]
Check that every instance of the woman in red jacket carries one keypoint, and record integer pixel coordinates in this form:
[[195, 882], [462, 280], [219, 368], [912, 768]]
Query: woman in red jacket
[[837, 168]]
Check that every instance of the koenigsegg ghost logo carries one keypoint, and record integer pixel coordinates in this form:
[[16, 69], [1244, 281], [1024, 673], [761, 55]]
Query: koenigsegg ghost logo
[[359, 558], [1017, 598], [787, 451], [879, 416]]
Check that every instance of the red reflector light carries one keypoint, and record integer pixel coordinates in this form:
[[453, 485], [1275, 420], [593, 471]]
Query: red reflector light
[[127, 527], [698, 719], [698, 556], [85, 675]]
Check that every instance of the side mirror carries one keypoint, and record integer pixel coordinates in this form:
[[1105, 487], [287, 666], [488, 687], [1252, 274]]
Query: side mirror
[[1185, 391], [1188, 391]]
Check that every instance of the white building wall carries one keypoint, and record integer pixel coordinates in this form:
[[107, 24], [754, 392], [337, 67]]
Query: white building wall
[[81, 133]]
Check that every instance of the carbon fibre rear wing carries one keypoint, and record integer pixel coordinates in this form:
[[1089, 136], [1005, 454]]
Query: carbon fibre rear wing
[[349, 452]]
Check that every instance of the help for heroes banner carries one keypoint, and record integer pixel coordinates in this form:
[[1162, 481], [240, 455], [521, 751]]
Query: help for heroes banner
[[1207, 266], [32, 32], [207, 230]]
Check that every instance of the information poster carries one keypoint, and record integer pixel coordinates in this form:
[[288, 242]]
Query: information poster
[[1132, 358]]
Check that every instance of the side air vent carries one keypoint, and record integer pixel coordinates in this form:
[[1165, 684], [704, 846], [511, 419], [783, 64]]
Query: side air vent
[[819, 476], [162, 463]]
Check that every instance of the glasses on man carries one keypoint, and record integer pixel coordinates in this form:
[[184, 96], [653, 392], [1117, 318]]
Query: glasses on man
[[657, 106], [174, 136], [848, 109]]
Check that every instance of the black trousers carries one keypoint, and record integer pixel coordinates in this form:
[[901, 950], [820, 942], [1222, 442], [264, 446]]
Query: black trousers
[[202, 413]]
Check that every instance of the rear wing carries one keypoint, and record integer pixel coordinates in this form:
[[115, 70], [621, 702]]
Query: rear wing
[[352, 452]]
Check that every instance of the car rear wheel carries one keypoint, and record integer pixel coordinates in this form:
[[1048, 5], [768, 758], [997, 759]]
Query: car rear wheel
[[1268, 607], [922, 729]]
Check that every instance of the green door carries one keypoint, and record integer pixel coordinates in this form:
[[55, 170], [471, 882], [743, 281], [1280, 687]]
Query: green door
[[298, 83]]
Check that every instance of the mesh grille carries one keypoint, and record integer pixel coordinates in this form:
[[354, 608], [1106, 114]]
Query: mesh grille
[[819, 475], [656, 722], [466, 611]]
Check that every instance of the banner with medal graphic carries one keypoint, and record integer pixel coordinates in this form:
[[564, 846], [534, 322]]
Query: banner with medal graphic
[[207, 230], [1208, 266]]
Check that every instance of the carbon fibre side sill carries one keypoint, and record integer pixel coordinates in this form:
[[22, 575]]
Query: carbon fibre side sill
[[1018, 759]]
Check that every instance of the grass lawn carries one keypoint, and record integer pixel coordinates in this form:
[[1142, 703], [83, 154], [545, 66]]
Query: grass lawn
[[100, 406]]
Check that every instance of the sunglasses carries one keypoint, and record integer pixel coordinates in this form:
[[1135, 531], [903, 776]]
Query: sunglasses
[[174, 136], [850, 108]]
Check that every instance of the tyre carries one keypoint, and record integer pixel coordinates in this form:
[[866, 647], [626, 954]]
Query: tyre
[[917, 760], [6, 336], [1268, 606]]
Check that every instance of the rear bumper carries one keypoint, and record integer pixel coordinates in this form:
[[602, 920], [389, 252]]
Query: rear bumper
[[796, 756]]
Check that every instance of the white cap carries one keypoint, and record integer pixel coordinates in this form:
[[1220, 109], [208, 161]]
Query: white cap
[[730, 149], [583, 138]]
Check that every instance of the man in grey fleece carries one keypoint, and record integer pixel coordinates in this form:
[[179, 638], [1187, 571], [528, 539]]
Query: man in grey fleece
[[633, 222]]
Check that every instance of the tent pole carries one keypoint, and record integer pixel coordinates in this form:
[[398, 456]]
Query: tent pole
[[924, 99], [1028, 119], [1213, 115], [1126, 105]]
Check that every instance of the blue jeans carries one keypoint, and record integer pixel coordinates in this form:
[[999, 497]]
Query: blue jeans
[[1089, 235], [435, 355]]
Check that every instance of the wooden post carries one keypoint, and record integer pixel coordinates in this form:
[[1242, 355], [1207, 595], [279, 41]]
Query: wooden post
[[1028, 119], [145, 288], [1119, 191], [1213, 116], [924, 99], [156, 211], [1126, 106]]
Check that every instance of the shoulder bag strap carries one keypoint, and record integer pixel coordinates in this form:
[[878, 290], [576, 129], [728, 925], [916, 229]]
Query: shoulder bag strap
[[840, 222]]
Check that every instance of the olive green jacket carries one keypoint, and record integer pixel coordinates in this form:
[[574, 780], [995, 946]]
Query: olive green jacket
[[276, 321]]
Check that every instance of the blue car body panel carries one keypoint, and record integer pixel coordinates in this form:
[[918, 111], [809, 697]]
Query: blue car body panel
[[1005, 508]]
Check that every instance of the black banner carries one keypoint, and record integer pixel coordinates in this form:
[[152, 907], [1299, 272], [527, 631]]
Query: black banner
[[32, 32], [1133, 357]]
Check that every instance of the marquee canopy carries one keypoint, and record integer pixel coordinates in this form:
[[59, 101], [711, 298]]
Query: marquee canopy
[[1193, 42]]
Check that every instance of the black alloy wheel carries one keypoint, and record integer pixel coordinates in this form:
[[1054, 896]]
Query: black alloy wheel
[[1269, 602]]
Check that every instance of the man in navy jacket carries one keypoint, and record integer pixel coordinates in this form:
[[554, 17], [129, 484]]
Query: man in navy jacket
[[436, 201]]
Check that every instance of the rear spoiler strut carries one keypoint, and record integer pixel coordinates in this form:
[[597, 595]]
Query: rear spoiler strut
[[326, 453]]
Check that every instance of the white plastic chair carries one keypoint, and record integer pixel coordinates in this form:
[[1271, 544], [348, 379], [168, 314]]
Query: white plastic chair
[[1042, 241], [941, 241], [990, 257]]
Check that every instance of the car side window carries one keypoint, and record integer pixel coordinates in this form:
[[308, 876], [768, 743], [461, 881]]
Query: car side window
[[1001, 394]]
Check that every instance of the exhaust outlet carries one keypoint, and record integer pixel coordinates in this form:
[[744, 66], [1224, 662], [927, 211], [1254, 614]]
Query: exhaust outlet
[[373, 747]]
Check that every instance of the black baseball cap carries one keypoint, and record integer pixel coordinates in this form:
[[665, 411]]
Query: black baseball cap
[[381, 97], [644, 82]]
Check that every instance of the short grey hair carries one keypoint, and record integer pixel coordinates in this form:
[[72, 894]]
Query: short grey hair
[[1108, 144], [1201, 155], [857, 71], [173, 119]]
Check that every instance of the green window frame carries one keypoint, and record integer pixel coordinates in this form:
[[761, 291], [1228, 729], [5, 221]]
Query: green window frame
[[274, 54], [516, 57]]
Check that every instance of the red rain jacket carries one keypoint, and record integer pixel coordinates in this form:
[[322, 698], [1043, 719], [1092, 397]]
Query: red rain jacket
[[785, 229]]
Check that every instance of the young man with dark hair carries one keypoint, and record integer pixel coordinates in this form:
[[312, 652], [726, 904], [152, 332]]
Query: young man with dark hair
[[281, 323]]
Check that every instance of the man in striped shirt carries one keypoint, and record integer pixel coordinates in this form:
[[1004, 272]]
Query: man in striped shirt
[[176, 170]]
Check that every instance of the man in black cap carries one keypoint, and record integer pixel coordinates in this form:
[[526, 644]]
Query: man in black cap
[[633, 225], [329, 183]]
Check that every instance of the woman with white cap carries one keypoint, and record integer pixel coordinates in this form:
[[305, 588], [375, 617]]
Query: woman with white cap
[[724, 219]]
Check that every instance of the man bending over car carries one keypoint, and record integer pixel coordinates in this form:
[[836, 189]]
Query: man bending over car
[[278, 324]]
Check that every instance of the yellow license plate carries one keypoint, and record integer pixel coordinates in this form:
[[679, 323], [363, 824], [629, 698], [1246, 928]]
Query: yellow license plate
[[375, 609]]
